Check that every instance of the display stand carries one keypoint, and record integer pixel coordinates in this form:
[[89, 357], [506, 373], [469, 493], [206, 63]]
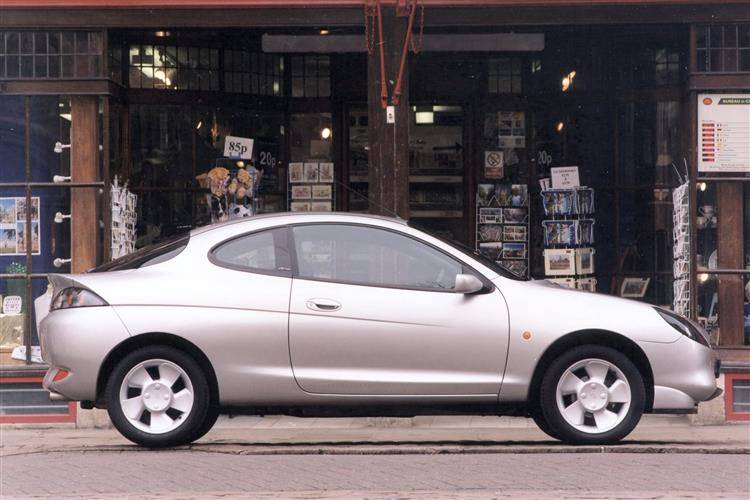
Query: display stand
[[569, 237], [502, 225], [234, 190], [311, 187], [681, 249]]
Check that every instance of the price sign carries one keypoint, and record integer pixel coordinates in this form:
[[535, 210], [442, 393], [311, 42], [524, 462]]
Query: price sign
[[240, 148], [564, 177]]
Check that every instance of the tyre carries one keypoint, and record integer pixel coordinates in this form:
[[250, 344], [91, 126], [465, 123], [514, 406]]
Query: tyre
[[592, 395], [212, 415], [158, 396], [541, 422]]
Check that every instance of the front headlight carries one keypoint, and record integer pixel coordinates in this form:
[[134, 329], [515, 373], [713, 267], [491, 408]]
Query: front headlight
[[76, 297], [684, 326]]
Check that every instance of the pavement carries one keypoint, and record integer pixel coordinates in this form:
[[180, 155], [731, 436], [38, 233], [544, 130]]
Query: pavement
[[449, 458], [419, 435]]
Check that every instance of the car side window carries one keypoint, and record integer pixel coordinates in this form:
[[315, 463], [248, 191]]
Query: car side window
[[265, 251], [371, 256]]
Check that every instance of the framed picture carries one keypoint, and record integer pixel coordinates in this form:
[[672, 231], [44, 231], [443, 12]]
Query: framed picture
[[514, 215], [559, 232], [490, 215], [634, 287], [586, 284], [320, 206], [321, 191], [490, 232], [558, 201], [568, 282], [585, 260], [310, 172], [485, 194], [325, 172], [300, 192], [300, 206], [585, 232], [559, 262], [514, 233], [491, 249], [514, 251], [519, 195], [296, 172], [503, 195], [517, 267]]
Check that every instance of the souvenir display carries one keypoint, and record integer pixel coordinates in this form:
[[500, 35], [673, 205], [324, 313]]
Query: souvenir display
[[502, 232], [124, 219], [559, 232], [568, 282], [231, 188], [559, 262], [585, 260], [310, 181], [586, 284]]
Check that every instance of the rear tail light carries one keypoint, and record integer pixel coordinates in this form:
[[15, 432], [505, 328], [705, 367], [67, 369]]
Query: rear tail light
[[76, 297], [60, 375]]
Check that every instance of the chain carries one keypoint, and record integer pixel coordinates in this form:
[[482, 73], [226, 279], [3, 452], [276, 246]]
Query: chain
[[370, 15], [417, 47]]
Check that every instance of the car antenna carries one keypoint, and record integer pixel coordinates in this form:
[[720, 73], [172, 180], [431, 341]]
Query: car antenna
[[379, 205]]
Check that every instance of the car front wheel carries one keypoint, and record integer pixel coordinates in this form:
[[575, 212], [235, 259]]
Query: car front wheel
[[592, 395], [158, 396]]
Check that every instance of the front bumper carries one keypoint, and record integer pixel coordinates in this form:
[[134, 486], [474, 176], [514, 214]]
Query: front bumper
[[684, 373], [78, 340]]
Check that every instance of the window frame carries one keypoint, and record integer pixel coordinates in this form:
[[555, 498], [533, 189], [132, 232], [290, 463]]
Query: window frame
[[282, 242], [465, 268]]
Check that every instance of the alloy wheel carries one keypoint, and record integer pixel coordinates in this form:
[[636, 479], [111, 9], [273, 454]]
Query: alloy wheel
[[593, 396], [156, 396]]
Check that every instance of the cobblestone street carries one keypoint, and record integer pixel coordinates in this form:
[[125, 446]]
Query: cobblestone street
[[216, 474]]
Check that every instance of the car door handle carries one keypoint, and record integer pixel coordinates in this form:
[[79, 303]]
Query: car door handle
[[325, 305]]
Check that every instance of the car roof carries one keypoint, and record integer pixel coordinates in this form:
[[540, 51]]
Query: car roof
[[314, 216]]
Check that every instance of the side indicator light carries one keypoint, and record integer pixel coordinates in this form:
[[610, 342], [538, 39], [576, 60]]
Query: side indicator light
[[61, 374], [526, 335]]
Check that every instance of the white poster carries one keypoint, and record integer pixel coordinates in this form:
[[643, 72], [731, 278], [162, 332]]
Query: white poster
[[564, 177], [724, 132]]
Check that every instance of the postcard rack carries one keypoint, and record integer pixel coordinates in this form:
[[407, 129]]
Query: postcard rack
[[681, 249], [569, 237], [502, 225], [311, 187]]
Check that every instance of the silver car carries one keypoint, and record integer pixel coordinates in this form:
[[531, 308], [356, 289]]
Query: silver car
[[331, 314]]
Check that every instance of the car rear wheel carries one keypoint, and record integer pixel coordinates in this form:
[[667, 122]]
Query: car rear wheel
[[592, 395], [158, 396]]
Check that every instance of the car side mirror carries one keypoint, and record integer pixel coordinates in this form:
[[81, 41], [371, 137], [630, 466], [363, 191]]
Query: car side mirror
[[468, 283]]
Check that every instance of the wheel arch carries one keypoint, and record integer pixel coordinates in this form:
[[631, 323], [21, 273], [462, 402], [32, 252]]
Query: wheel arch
[[150, 339], [604, 338]]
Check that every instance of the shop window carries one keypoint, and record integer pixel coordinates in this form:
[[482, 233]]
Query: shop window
[[738, 396], [311, 76], [504, 75], [649, 67], [253, 73], [173, 67], [51, 54], [261, 252], [723, 48]]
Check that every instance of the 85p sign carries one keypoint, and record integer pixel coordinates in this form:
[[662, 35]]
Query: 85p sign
[[240, 148]]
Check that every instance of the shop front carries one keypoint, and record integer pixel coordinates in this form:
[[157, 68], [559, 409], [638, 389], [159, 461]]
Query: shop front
[[598, 146]]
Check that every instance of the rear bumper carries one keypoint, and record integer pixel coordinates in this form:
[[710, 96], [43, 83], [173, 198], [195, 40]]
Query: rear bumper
[[78, 340]]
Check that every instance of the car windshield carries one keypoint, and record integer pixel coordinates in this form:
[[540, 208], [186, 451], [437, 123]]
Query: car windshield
[[147, 256], [470, 252]]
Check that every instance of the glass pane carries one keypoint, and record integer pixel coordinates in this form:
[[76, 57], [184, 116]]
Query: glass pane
[[256, 251], [12, 138], [369, 256]]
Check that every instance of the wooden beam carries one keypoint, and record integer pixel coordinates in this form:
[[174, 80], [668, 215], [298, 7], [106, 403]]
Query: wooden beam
[[389, 143], [84, 167], [730, 241]]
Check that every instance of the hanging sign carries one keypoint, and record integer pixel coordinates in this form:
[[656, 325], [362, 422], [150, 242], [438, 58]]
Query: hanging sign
[[493, 164], [564, 177], [724, 132], [240, 148]]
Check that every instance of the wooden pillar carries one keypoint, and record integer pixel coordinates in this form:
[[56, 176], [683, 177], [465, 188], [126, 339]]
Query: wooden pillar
[[730, 242], [389, 143], [84, 167]]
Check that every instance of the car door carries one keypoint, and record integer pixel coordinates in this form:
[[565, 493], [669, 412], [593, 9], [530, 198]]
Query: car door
[[372, 312]]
